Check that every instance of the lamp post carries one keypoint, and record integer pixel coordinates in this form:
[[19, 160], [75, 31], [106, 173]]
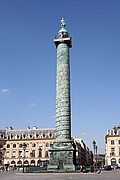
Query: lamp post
[[39, 149], [96, 155], [3, 153], [94, 146], [24, 148]]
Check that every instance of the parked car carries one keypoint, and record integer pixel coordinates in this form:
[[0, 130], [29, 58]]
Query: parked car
[[77, 167], [88, 168], [114, 166], [108, 168]]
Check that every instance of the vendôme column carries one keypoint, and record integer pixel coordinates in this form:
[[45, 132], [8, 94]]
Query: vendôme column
[[62, 152]]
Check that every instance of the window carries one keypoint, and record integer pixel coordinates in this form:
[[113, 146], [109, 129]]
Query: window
[[40, 153], [30, 136], [33, 153], [8, 145], [112, 152], [20, 145], [39, 163], [14, 145], [119, 151], [119, 161], [112, 142], [113, 161], [7, 154], [32, 163], [20, 153], [1, 145], [47, 144], [1, 154], [26, 162], [24, 136], [37, 135], [11, 136], [13, 162], [26, 153], [118, 141], [46, 154], [33, 145], [50, 135], [14, 154], [19, 163]]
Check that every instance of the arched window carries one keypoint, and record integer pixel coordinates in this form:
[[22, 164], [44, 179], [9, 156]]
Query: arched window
[[30, 135], [39, 163], [47, 144], [14, 145], [26, 163], [113, 161], [8, 145], [24, 136], [20, 145], [33, 145], [12, 162], [50, 135], [32, 162], [19, 163], [119, 161], [37, 135], [11, 136]]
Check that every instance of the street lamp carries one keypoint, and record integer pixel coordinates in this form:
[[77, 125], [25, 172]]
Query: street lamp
[[94, 147], [39, 149], [24, 148], [96, 154], [3, 153]]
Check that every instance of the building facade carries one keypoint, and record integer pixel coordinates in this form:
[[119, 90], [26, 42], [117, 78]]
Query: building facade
[[112, 146], [37, 143], [2, 144], [83, 155], [36, 151]]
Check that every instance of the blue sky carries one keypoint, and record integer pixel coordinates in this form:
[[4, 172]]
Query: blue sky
[[28, 64]]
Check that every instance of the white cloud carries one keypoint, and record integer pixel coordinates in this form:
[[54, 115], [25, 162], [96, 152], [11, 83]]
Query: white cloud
[[5, 90], [31, 104], [86, 133]]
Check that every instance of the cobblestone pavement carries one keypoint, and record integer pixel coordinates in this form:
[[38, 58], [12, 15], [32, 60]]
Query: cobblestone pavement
[[104, 175]]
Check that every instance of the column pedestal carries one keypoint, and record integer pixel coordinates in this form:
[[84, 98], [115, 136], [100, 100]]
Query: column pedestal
[[62, 156]]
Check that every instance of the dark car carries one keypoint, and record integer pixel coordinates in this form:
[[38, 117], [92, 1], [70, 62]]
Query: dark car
[[108, 168], [88, 168]]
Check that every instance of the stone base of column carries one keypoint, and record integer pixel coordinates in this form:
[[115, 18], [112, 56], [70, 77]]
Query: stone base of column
[[62, 156]]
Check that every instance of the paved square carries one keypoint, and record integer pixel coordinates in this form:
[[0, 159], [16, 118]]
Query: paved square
[[104, 175]]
